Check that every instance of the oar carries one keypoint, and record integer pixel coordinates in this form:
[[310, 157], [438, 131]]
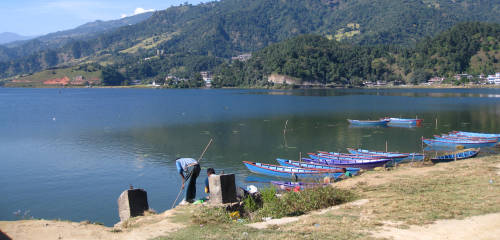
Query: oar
[[189, 174]]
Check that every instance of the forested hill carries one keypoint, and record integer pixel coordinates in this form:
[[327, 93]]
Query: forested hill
[[469, 47], [19, 49], [199, 37]]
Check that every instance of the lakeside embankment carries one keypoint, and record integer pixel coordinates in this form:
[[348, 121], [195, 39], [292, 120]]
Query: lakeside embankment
[[409, 202]]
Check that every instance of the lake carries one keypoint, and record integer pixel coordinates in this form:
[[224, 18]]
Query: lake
[[69, 153]]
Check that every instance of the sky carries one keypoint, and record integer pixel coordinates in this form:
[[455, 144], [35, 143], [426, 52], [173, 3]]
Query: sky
[[38, 17]]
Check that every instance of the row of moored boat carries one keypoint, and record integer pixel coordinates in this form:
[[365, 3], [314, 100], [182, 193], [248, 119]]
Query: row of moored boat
[[337, 165]]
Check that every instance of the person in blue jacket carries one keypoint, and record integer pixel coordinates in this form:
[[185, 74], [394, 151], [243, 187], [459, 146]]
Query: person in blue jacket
[[183, 165]]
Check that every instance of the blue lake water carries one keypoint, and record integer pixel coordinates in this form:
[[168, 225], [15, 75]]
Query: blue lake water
[[69, 153]]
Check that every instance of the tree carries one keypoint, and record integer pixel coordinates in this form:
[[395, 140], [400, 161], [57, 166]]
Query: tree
[[196, 80], [112, 77], [419, 76]]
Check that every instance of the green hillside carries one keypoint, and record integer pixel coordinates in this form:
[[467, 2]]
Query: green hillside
[[469, 47], [190, 38]]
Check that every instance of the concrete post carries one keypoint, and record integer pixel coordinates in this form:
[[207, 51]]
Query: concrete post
[[222, 188], [132, 203]]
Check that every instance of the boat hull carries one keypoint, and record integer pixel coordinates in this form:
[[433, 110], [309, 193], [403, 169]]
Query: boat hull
[[368, 122], [404, 121], [451, 143], [290, 172], [467, 153], [398, 157], [311, 165], [354, 163], [289, 186]]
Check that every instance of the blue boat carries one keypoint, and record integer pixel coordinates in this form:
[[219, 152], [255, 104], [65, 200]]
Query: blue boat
[[461, 137], [404, 121], [455, 143], [381, 122], [475, 134], [354, 163], [311, 165], [290, 172], [398, 157], [464, 154], [343, 157], [347, 155], [290, 186]]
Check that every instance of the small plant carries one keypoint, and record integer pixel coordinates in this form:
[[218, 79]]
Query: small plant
[[250, 205], [211, 215]]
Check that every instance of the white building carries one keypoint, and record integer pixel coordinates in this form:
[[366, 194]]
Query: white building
[[207, 77], [494, 79]]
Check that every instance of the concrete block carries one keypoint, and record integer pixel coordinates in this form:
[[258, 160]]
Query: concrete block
[[132, 203], [222, 188]]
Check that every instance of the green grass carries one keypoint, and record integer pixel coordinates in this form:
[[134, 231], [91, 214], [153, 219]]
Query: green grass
[[37, 79]]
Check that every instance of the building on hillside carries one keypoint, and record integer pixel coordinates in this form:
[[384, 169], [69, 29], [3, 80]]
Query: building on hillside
[[207, 78], [159, 52], [172, 80], [436, 80], [494, 79], [368, 83], [134, 82], [458, 77], [154, 84], [381, 83], [242, 57]]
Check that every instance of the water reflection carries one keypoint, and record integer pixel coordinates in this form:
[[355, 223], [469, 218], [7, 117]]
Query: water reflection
[[438, 93]]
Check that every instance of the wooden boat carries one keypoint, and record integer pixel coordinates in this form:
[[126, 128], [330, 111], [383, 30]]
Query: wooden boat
[[403, 121], [475, 134], [348, 155], [460, 137], [311, 165], [358, 163], [455, 143], [368, 122], [343, 157], [398, 157], [464, 154], [290, 186], [290, 172]]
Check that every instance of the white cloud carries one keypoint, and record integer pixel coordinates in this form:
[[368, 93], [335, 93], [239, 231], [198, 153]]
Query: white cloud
[[138, 11], [142, 10]]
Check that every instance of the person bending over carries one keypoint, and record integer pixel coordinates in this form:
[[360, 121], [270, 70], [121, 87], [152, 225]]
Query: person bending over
[[183, 165]]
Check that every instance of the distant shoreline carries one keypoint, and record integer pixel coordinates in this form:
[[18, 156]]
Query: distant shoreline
[[285, 87]]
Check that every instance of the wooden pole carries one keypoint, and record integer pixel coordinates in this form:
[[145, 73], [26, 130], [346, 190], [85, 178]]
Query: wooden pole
[[300, 157], [284, 134], [423, 151], [436, 123], [386, 146]]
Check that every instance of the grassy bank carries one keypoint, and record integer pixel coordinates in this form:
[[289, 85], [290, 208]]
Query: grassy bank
[[405, 196]]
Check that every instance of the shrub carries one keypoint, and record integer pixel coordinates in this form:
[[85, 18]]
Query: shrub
[[250, 205], [298, 203]]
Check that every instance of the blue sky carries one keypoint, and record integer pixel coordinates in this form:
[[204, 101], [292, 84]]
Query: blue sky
[[37, 17]]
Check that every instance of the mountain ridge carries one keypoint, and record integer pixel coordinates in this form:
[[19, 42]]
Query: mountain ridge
[[197, 37]]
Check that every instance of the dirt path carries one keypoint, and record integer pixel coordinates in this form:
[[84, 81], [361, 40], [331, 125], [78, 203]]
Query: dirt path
[[477, 227], [285, 220], [142, 228]]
